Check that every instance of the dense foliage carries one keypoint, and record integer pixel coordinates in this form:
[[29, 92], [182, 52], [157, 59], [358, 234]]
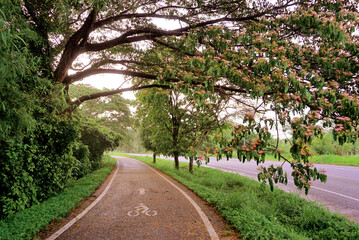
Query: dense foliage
[[37, 140], [98, 140], [26, 224], [36, 143]]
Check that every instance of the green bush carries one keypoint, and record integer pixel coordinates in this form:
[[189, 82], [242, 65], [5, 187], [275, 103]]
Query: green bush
[[83, 164], [98, 141], [26, 223], [38, 166], [39, 141], [36, 142]]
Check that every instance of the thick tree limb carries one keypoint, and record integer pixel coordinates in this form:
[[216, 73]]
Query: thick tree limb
[[152, 33], [121, 62], [134, 15], [81, 75], [72, 49], [116, 91], [131, 36]]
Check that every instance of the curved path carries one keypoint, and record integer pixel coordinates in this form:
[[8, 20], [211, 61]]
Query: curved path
[[145, 204]]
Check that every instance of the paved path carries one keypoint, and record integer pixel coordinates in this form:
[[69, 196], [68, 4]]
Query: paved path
[[143, 204]]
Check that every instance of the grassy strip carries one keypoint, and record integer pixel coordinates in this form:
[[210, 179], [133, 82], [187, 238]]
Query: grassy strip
[[335, 159], [27, 223], [256, 212], [327, 159]]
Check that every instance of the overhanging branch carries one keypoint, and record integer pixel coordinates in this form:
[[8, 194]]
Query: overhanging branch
[[116, 91], [121, 62], [134, 15], [81, 75]]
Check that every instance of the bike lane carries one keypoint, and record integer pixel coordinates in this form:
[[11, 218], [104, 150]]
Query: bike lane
[[142, 204]]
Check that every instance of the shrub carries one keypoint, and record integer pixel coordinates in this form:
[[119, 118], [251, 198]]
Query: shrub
[[83, 164], [98, 140]]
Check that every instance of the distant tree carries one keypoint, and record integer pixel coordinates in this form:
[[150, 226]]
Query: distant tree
[[172, 124], [112, 111], [327, 145], [148, 136], [324, 145]]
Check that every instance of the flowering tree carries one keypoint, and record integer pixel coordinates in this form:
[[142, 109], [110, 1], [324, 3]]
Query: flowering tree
[[300, 64]]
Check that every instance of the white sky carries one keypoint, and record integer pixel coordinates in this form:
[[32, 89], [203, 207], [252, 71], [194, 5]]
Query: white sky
[[109, 81]]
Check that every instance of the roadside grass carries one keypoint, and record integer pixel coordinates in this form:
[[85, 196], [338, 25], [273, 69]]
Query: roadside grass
[[25, 224], [328, 159], [335, 159], [255, 211]]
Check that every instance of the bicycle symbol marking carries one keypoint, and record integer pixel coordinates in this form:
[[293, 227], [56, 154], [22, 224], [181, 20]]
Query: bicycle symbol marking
[[142, 208]]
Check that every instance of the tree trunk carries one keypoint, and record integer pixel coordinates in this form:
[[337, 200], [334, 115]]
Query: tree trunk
[[176, 160], [190, 165], [154, 157]]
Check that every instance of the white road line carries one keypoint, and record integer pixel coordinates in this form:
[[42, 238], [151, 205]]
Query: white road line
[[207, 223], [78, 217], [231, 169], [355, 179], [335, 193]]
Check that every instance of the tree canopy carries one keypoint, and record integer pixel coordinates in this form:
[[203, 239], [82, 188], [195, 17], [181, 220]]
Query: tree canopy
[[295, 58]]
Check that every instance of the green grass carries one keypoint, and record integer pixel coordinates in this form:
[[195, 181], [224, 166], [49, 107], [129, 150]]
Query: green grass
[[256, 212], [335, 159], [25, 224], [328, 159]]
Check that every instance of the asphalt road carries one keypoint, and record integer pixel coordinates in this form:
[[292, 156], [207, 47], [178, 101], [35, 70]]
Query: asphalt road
[[340, 193], [142, 203]]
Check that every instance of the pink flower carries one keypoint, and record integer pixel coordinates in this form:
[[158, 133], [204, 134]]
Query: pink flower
[[262, 59]]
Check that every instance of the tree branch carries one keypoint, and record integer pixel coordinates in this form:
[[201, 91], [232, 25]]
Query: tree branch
[[128, 37], [82, 99], [89, 72], [121, 62], [172, 47], [72, 49], [134, 15]]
